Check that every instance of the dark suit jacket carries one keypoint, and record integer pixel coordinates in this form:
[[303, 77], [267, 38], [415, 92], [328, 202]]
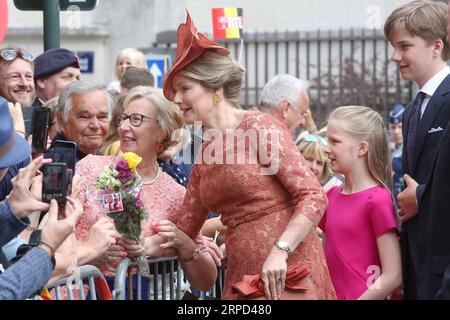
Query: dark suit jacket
[[37, 103], [436, 199], [436, 115]]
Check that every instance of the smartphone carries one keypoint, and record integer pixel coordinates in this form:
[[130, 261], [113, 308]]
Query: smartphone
[[39, 124], [27, 119], [64, 152], [54, 182]]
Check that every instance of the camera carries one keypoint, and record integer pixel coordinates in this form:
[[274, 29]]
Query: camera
[[56, 182]]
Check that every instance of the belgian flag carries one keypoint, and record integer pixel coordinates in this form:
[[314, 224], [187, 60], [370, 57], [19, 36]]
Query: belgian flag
[[228, 23]]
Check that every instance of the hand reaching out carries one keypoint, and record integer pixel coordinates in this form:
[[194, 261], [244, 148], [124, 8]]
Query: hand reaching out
[[21, 200], [175, 239], [214, 250], [112, 257], [132, 247], [101, 237], [17, 116], [55, 231]]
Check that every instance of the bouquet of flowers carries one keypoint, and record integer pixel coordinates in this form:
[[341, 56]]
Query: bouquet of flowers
[[118, 188]]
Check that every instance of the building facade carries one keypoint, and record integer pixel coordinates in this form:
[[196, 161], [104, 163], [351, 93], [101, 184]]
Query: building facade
[[117, 24]]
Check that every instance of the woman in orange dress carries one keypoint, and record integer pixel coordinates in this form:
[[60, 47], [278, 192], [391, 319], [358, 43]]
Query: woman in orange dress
[[248, 170]]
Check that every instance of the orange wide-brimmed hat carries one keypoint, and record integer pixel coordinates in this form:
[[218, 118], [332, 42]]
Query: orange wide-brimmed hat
[[191, 44]]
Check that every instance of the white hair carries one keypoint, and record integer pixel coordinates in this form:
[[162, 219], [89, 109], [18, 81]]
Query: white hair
[[79, 87], [282, 87]]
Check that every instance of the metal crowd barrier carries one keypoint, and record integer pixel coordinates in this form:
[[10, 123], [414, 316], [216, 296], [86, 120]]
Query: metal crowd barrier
[[169, 284], [165, 270], [89, 275]]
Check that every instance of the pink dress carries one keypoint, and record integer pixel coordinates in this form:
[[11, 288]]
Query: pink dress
[[352, 224], [256, 206], [162, 199]]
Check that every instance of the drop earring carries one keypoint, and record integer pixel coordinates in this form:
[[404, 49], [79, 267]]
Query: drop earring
[[216, 99]]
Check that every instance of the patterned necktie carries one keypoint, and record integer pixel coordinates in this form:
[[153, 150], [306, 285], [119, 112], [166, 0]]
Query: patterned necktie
[[414, 119]]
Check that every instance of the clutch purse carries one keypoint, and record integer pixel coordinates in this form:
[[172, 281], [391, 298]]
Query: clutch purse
[[298, 285]]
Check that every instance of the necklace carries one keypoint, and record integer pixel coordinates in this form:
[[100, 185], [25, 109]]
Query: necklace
[[158, 172]]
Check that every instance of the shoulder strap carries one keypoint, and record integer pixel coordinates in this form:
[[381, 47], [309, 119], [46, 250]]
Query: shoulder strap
[[4, 263]]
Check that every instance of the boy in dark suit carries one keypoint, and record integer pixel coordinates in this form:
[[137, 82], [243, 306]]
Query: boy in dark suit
[[437, 245], [418, 32]]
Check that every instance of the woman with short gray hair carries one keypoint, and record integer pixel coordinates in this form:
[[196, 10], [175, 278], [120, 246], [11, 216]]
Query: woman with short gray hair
[[146, 127]]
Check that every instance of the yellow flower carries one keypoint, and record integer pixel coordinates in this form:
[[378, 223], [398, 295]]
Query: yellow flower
[[132, 160]]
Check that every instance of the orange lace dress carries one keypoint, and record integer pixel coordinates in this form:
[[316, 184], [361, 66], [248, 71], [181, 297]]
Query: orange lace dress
[[257, 200], [162, 199]]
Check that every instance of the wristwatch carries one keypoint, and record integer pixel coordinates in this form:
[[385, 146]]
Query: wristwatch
[[283, 246], [195, 255]]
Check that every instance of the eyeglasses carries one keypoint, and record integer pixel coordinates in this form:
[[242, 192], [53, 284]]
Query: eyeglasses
[[11, 54], [315, 138], [135, 119]]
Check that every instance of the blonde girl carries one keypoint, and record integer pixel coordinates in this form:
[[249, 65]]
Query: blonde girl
[[362, 248]]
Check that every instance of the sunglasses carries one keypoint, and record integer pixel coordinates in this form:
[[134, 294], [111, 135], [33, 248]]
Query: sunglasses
[[315, 138], [11, 54]]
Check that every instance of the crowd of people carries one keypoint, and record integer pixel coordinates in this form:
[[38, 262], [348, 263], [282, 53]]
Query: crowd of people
[[353, 210]]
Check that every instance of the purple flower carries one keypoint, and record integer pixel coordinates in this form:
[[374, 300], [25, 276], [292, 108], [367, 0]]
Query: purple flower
[[125, 176], [121, 165], [125, 173]]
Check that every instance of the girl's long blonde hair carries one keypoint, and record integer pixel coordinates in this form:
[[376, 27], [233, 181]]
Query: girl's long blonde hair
[[367, 125]]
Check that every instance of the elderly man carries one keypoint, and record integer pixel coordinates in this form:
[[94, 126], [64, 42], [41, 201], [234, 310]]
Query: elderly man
[[16, 75], [83, 114], [53, 71], [286, 99]]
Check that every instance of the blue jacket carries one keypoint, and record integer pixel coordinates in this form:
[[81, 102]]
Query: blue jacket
[[30, 273]]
